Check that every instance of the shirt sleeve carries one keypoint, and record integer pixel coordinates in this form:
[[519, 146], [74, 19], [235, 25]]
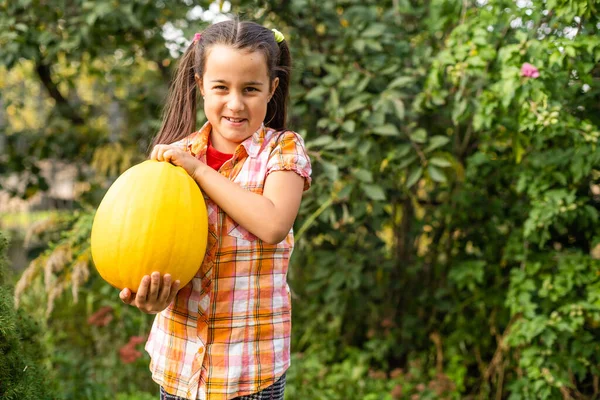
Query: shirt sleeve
[[289, 154]]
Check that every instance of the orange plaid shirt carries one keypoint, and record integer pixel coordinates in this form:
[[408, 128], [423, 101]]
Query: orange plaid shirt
[[227, 333]]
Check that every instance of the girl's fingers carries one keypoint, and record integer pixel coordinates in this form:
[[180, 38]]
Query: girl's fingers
[[125, 296], [157, 152], [142, 292], [166, 289], [152, 294], [168, 155], [164, 152], [173, 293], [154, 287]]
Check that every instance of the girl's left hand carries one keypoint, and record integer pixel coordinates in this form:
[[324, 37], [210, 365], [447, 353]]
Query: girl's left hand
[[176, 156]]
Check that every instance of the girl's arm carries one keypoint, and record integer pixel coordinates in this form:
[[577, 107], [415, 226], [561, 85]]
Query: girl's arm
[[269, 216]]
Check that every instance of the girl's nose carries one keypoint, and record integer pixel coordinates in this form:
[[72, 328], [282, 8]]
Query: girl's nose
[[235, 103]]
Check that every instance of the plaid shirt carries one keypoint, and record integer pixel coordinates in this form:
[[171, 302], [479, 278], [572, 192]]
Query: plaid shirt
[[227, 333]]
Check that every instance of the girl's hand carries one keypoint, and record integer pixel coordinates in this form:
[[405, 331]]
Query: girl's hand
[[176, 156], [152, 297]]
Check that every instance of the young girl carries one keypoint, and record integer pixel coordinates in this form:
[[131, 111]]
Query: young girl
[[226, 334]]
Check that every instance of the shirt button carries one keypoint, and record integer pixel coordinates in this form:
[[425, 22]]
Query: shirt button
[[201, 350]]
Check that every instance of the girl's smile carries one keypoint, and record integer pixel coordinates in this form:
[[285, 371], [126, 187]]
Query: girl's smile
[[236, 122], [236, 90]]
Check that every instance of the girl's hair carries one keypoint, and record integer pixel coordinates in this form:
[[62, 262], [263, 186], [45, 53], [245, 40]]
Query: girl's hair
[[179, 115]]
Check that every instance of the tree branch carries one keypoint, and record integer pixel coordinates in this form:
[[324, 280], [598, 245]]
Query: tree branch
[[63, 106]]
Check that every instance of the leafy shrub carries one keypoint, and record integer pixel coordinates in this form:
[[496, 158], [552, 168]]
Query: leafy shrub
[[22, 371]]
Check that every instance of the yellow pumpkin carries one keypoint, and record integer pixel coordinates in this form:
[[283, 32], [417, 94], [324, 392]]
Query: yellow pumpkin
[[152, 218]]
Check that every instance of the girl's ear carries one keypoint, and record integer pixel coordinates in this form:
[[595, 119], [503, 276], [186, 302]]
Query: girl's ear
[[274, 85], [199, 83]]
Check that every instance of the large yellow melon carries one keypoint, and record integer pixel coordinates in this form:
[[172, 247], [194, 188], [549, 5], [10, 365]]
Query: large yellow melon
[[152, 218]]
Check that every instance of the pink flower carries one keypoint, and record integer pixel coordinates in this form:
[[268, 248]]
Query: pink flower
[[529, 71], [396, 392], [135, 340], [387, 323], [396, 373], [128, 352], [101, 317]]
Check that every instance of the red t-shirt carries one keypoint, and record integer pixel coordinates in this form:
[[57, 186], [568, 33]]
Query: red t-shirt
[[214, 158]]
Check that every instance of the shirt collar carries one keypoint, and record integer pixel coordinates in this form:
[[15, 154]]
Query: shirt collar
[[254, 143], [251, 145]]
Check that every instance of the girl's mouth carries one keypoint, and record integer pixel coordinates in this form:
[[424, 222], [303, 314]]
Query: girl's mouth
[[235, 120]]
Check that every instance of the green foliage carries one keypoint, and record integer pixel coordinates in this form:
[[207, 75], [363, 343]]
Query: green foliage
[[554, 301], [76, 59], [443, 170], [22, 373], [88, 345]]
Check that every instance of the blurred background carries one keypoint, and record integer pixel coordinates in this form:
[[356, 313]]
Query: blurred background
[[449, 247]]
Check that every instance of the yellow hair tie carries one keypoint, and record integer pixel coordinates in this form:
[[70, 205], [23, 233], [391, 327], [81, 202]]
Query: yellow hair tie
[[278, 36]]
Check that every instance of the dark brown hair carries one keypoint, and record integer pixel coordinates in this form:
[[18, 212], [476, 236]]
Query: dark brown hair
[[179, 115]]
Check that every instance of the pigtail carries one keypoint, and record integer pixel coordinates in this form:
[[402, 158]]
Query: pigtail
[[179, 114], [277, 108]]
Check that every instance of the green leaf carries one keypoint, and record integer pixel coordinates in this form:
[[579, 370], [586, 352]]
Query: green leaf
[[509, 87], [334, 100], [363, 175], [386, 130], [407, 161], [331, 170], [436, 174], [440, 162], [419, 136], [414, 175], [316, 93], [401, 81], [349, 126], [374, 30], [399, 106], [357, 103], [374, 45], [436, 142], [374, 192], [401, 150], [322, 123], [458, 113], [363, 84], [320, 141], [359, 45], [518, 148]]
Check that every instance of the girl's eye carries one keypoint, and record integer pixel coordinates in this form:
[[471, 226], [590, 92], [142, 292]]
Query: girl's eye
[[251, 89], [221, 87]]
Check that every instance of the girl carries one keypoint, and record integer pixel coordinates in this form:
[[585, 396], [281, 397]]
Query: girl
[[227, 334]]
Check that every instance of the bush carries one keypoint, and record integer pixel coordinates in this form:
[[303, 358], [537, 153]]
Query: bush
[[22, 372]]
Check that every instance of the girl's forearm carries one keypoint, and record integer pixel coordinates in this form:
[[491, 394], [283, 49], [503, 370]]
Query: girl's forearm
[[255, 212]]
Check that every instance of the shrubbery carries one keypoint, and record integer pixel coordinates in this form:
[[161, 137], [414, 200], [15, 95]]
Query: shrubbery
[[22, 363]]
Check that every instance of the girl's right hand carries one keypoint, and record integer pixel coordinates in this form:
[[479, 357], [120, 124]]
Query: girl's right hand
[[153, 294]]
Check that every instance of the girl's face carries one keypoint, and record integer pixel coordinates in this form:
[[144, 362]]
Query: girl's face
[[236, 90]]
